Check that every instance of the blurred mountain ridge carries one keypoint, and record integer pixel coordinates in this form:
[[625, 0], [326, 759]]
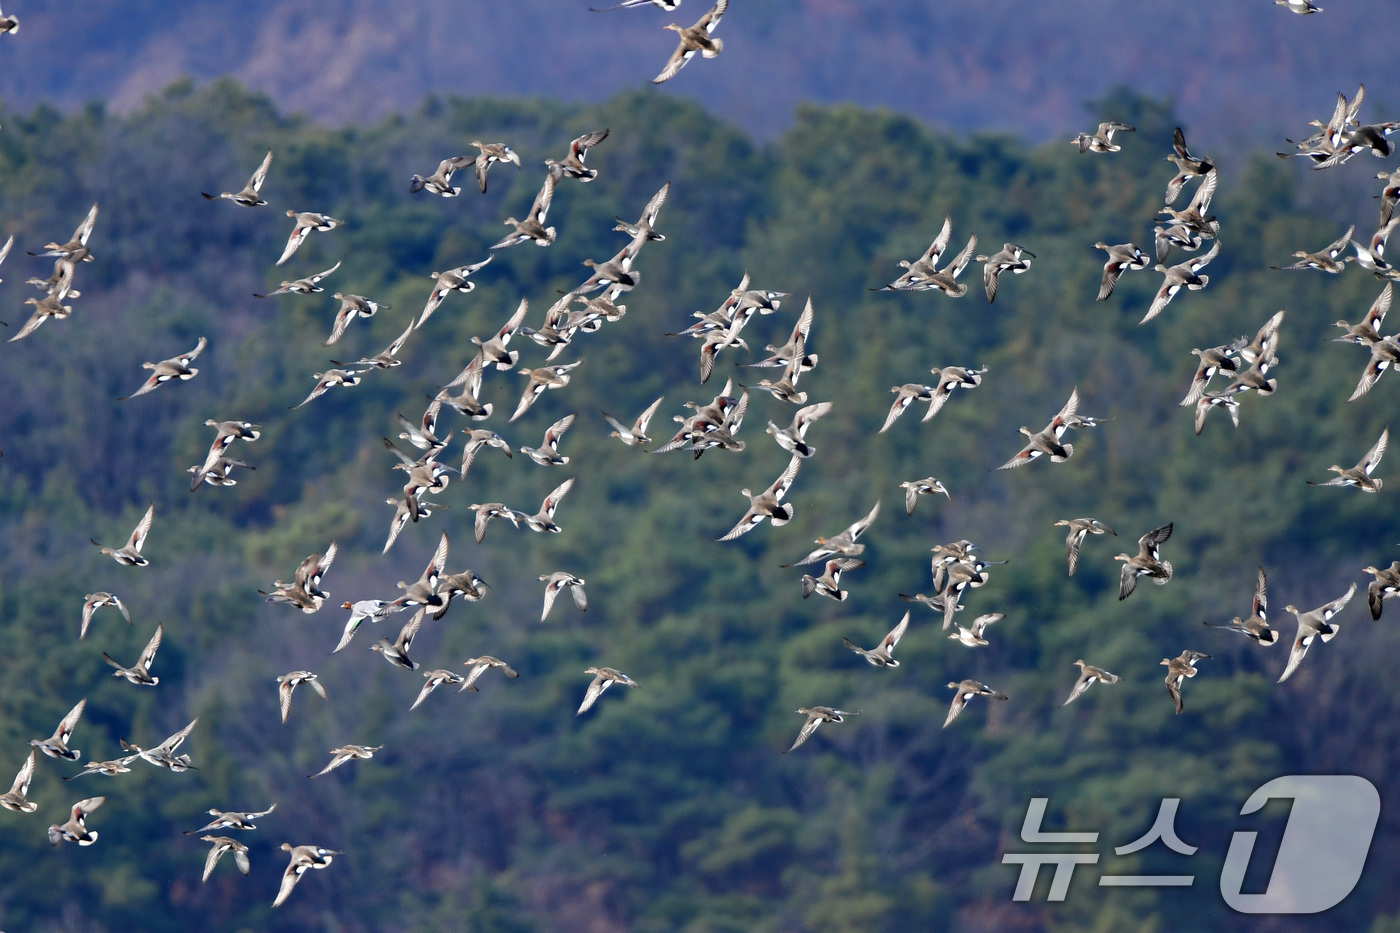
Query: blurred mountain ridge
[[1234, 70]]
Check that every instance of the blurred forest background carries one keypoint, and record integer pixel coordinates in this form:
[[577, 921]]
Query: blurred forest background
[[1019, 66], [672, 808]]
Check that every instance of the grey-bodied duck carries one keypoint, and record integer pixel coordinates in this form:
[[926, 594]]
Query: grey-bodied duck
[[966, 690], [75, 830], [558, 581], [1010, 258], [1367, 331], [603, 678], [532, 227], [1385, 354], [1256, 626], [1101, 140], [1360, 475], [440, 181], [491, 153], [829, 583], [15, 798], [951, 378], [396, 651], [1088, 676], [542, 379], [304, 223], [1385, 585], [94, 601], [129, 554], [453, 280], [698, 38], [308, 285], [572, 165], [344, 753], [140, 672], [1175, 278], [793, 438], [1331, 258], [1314, 624], [248, 196], [1046, 442], [1188, 166], [1178, 669], [975, 637], [882, 655], [1146, 562], [767, 504], [433, 680], [478, 439], [485, 663], [636, 434], [222, 844], [843, 544], [302, 859], [1079, 528], [177, 367], [493, 350], [330, 379], [816, 715], [351, 307], [927, 486], [543, 520], [244, 820], [288, 683], [1121, 258]]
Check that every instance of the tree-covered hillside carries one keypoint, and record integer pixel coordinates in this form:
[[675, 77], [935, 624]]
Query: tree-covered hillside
[[670, 807]]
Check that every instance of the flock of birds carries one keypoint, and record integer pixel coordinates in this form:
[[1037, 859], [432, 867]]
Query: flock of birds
[[957, 568]]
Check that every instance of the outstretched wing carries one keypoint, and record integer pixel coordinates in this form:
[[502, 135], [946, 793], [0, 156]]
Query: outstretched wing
[[65, 728], [896, 634], [26, 774], [784, 482], [257, 179], [808, 728], [540, 208], [299, 233], [1154, 538], [85, 228], [176, 740], [1174, 688], [1023, 456], [218, 849], [1373, 456], [551, 591], [595, 690], [674, 64], [939, 244], [148, 654], [746, 524], [1085, 681], [959, 701], [1295, 655], [644, 419], [1127, 581], [551, 501]]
